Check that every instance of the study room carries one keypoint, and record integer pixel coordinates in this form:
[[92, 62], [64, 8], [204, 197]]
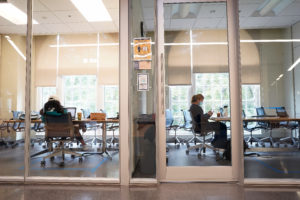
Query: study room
[[74, 99]]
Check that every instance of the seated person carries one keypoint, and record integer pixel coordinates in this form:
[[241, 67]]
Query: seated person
[[201, 122], [53, 107]]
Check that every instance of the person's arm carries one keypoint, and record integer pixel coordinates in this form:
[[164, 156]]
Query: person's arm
[[205, 116]]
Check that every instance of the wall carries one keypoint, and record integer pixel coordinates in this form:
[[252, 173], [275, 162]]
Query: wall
[[296, 54], [12, 76]]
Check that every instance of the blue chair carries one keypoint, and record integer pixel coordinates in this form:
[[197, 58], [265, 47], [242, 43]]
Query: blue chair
[[170, 126]]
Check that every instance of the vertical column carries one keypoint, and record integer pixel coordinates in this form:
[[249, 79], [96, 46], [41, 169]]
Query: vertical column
[[124, 87], [235, 90], [28, 87]]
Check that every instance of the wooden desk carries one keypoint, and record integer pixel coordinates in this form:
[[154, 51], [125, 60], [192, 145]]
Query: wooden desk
[[80, 122]]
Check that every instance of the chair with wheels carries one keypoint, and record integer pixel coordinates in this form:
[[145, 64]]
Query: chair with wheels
[[113, 127], [292, 126], [250, 127], [188, 127], [260, 111], [59, 131], [170, 126], [91, 126]]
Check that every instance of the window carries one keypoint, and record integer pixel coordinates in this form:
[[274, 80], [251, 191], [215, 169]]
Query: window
[[250, 98], [80, 92], [111, 100], [215, 88], [43, 95], [179, 100]]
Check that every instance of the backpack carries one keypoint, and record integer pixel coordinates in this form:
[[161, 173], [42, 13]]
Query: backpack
[[227, 152]]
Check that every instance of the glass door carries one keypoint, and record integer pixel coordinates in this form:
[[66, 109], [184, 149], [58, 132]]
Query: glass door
[[194, 109]]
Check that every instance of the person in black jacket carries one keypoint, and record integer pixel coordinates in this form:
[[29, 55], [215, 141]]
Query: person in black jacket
[[201, 123]]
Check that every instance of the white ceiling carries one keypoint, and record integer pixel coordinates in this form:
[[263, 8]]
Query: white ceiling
[[213, 16], [61, 16]]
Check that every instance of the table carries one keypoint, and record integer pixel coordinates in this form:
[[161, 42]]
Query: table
[[264, 119], [80, 122]]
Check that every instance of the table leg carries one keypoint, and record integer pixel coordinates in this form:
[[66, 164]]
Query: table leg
[[104, 137]]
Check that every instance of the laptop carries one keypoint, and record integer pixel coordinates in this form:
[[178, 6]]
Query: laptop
[[281, 112], [72, 110], [261, 113]]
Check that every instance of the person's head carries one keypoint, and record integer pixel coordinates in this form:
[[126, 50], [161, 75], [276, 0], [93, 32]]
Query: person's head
[[197, 99], [53, 104]]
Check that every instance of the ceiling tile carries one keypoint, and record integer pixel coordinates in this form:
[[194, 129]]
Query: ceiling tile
[[205, 23], [39, 29], [80, 27], [114, 4], [247, 10], [212, 10], [104, 26], [4, 22], [293, 9], [149, 25], [114, 13], [181, 24], [38, 6], [20, 29], [46, 18], [283, 21], [70, 16], [58, 28], [58, 5]]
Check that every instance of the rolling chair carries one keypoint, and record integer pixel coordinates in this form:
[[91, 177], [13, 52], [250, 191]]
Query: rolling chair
[[112, 127], [281, 112], [91, 126], [169, 126], [260, 111], [188, 127], [250, 129], [59, 129], [203, 143]]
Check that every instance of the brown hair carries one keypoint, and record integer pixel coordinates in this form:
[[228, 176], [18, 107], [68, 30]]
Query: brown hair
[[197, 97]]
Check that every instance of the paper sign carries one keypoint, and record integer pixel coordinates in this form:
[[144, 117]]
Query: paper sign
[[142, 49], [142, 65], [143, 83]]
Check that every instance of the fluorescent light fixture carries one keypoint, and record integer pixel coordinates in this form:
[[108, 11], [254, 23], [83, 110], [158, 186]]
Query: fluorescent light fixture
[[294, 65], [281, 75], [13, 14], [92, 10], [15, 47]]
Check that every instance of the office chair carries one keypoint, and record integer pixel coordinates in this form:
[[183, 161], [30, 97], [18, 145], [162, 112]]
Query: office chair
[[170, 126], [260, 111], [188, 127], [281, 112], [59, 129], [18, 126], [3, 142], [91, 126], [112, 127], [249, 128], [203, 142]]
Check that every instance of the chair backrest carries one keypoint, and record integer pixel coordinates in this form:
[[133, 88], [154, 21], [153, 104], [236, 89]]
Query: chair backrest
[[59, 126], [187, 119], [169, 118], [16, 114], [71, 110], [260, 111], [86, 113], [281, 112]]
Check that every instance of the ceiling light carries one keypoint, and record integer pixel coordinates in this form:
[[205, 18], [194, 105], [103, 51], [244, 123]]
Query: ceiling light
[[15, 47], [271, 7], [92, 10], [294, 65], [13, 14]]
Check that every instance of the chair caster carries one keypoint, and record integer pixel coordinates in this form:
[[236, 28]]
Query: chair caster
[[203, 150], [52, 158], [285, 145], [72, 156], [199, 155], [263, 145], [187, 152], [197, 149], [80, 160], [187, 145], [177, 146], [43, 163], [117, 145], [71, 144], [256, 145], [62, 164], [40, 143]]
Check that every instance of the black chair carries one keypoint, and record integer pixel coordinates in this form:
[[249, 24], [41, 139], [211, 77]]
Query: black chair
[[59, 130], [188, 127], [281, 112], [260, 111], [170, 126]]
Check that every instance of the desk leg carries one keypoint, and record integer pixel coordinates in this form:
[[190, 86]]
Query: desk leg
[[103, 137]]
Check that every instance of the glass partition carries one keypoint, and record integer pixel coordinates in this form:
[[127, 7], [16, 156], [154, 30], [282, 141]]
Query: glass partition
[[269, 33], [13, 23], [74, 90]]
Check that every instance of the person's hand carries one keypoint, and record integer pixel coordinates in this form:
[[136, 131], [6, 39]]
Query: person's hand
[[210, 113]]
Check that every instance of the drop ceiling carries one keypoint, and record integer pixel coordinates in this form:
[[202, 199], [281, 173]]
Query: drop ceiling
[[60, 16]]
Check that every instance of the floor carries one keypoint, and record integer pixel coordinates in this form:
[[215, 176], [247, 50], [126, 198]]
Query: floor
[[199, 191]]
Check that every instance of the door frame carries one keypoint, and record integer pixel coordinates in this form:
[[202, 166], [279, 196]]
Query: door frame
[[208, 173]]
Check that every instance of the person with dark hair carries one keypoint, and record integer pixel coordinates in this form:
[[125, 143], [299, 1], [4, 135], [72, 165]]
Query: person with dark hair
[[201, 122], [54, 107]]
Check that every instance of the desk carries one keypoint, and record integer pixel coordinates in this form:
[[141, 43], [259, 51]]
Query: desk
[[264, 119], [80, 122]]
